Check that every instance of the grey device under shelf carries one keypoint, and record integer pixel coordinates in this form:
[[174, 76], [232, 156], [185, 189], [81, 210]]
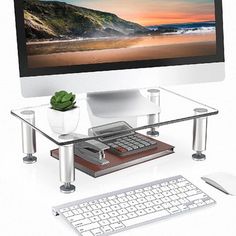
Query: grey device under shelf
[[92, 151]]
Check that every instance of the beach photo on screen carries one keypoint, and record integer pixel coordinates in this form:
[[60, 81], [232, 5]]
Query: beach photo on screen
[[85, 32]]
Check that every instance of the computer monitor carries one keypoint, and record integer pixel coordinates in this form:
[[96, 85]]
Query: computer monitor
[[91, 46]]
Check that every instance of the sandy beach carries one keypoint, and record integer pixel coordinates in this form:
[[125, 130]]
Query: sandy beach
[[143, 48]]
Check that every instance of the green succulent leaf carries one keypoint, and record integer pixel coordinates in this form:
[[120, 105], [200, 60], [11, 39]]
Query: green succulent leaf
[[67, 97], [73, 98]]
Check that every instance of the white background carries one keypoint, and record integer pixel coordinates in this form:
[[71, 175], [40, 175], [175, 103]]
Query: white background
[[27, 192]]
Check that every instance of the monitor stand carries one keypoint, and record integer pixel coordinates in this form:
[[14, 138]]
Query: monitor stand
[[129, 103]]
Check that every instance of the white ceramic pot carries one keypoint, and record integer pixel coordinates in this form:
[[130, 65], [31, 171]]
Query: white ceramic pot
[[63, 122]]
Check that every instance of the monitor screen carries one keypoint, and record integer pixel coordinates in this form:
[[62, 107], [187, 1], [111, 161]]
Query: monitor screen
[[66, 36]]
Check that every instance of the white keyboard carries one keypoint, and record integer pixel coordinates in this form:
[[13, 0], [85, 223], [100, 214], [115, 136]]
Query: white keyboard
[[128, 208]]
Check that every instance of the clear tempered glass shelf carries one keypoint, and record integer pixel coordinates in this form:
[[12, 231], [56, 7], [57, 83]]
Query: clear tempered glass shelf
[[174, 108]]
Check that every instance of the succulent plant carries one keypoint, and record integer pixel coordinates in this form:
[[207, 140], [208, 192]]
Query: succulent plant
[[63, 101]]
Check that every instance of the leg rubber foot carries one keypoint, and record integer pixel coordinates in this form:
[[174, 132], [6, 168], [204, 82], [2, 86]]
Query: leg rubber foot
[[199, 157], [67, 188], [29, 159], [153, 133]]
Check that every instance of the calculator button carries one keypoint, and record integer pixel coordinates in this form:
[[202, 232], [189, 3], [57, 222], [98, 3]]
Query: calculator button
[[140, 145], [152, 142], [114, 145], [121, 149]]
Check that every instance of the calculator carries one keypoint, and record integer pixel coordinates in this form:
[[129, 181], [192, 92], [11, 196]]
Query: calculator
[[122, 140]]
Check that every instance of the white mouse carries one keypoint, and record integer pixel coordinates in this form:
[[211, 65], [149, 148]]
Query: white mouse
[[223, 181]]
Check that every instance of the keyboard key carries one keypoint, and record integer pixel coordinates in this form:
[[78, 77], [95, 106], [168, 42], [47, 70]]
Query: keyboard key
[[152, 216], [157, 202], [141, 200], [209, 201], [122, 211], [175, 203], [113, 213], [166, 205], [113, 220], [130, 193], [183, 183], [81, 222], [94, 219], [88, 227], [150, 198], [182, 195], [173, 210], [131, 215], [117, 226], [159, 195], [140, 206], [148, 204], [183, 207], [106, 210], [124, 205], [106, 229], [68, 214], [166, 199], [97, 232], [131, 197], [181, 179], [184, 200], [149, 210], [140, 195], [133, 202], [111, 197], [75, 218], [198, 196], [115, 207], [131, 209], [87, 234], [98, 206], [85, 204], [192, 206], [192, 192], [104, 222], [148, 193], [105, 204], [158, 208], [77, 212], [88, 214], [201, 204], [167, 194], [97, 212], [93, 202], [141, 212], [86, 209], [104, 216], [138, 190], [64, 210], [122, 217], [123, 199]]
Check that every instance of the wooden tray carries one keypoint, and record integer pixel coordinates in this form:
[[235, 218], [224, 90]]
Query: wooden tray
[[118, 163]]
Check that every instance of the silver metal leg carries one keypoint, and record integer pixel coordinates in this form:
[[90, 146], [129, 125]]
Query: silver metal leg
[[28, 137], [154, 97], [199, 135], [67, 170]]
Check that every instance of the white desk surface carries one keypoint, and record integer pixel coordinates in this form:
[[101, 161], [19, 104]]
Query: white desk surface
[[27, 193]]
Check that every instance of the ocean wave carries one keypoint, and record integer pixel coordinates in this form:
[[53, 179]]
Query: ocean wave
[[201, 30]]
